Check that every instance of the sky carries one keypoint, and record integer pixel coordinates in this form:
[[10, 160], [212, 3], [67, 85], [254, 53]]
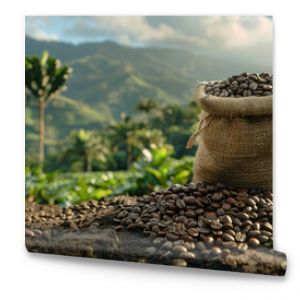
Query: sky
[[248, 37]]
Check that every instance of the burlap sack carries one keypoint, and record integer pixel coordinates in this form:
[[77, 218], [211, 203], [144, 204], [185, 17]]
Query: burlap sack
[[235, 141]]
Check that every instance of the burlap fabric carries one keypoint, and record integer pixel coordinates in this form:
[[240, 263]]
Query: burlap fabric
[[234, 140]]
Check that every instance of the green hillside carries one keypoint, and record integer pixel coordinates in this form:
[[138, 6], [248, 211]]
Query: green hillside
[[119, 76]]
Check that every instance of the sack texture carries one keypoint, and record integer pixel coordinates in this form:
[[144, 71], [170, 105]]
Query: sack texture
[[235, 141]]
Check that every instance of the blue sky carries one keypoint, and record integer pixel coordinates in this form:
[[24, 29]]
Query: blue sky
[[247, 37]]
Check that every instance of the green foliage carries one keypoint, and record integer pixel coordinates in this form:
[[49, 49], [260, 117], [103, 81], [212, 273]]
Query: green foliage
[[45, 77], [154, 171], [87, 146], [158, 169]]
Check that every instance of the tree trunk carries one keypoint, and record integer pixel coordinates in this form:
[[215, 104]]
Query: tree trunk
[[88, 164], [129, 156], [42, 129]]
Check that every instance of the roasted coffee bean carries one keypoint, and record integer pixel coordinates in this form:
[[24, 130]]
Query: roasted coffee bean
[[241, 85], [227, 237], [204, 230], [267, 226], [179, 262], [158, 241], [229, 244], [253, 242], [242, 247], [208, 241], [190, 245], [216, 250], [200, 246], [243, 216], [167, 245], [215, 225], [190, 213], [151, 250], [180, 203], [181, 219], [256, 226], [240, 237], [253, 233], [187, 255], [171, 236], [263, 238], [179, 249], [193, 232], [179, 242]]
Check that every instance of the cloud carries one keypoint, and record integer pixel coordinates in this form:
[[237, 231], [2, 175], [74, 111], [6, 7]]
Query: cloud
[[224, 31], [238, 32], [41, 35], [208, 33], [38, 28], [131, 30]]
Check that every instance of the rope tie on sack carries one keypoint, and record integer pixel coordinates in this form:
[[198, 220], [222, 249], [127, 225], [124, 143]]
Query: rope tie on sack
[[201, 127]]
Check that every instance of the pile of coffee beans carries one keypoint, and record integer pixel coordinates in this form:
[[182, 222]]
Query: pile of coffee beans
[[242, 85], [188, 221], [73, 217]]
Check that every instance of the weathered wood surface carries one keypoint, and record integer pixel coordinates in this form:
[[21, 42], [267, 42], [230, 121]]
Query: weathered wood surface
[[101, 240]]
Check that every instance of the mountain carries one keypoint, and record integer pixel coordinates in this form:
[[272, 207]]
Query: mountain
[[109, 78], [119, 76]]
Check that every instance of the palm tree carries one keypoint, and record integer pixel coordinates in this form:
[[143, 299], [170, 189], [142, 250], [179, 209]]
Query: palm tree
[[87, 146], [121, 134], [147, 105], [45, 78]]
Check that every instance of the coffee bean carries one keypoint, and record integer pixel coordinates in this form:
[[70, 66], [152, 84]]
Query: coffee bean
[[180, 203], [226, 219], [242, 247], [243, 216], [204, 230], [181, 219], [178, 262], [193, 232], [200, 246], [29, 233], [216, 250], [256, 226], [241, 85], [208, 241], [167, 245], [216, 225], [227, 237], [171, 236], [190, 245], [240, 237], [253, 233], [263, 238], [151, 250], [179, 249], [158, 241], [267, 226], [179, 242], [229, 244], [190, 213], [187, 255], [253, 242]]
